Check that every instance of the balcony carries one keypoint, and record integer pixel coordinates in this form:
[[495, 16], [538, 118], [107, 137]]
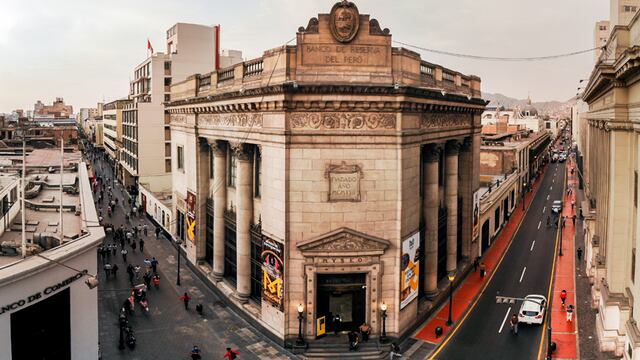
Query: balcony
[[226, 74], [253, 67]]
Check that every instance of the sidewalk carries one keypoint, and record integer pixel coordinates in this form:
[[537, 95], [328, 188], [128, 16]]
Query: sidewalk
[[473, 285], [563, 332]]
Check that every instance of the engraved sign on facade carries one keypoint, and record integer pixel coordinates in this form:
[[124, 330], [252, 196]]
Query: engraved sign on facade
[[231, 120], [344, 21], [344, 182], [333, 54], [444, 120], [347, 121]]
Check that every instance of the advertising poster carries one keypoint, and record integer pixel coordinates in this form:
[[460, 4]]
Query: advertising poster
[[272, 272], [191, 216], [410, 265], [476, 215]]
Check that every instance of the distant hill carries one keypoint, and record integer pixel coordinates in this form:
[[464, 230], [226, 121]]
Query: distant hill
[[561, 109]]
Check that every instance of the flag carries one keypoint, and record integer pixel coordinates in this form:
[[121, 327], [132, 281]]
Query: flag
[[149, 47]]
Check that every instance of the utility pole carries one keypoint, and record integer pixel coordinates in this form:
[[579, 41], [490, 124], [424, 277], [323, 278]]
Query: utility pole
[[23, 189], [61, 190]]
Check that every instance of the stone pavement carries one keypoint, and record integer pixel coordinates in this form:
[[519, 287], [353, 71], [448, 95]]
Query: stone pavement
[[169, 331]]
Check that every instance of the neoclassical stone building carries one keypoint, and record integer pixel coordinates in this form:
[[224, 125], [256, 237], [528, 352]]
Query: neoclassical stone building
[[337, 174]]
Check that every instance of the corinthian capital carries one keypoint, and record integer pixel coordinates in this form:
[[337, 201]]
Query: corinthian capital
[[432, 152], [241, 150], [452, 147]]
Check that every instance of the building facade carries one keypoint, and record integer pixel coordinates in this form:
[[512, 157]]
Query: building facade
[[112, 132], [611, 166], [57, 109], [337, 175]]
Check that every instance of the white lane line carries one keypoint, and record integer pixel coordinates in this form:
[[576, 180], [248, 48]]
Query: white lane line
[[532, 245], [523, 271], [505, 320], [540, 223], [547, 197], [551, 188], [544, 209]]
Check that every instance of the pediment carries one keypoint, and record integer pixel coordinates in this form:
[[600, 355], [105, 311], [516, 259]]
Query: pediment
[[345, 241]]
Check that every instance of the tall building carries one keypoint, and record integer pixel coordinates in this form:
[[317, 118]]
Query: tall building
[[622, 11], [146, 155], [57, 109], [112, 124], [611, 166], [600, 36], [337, 175]]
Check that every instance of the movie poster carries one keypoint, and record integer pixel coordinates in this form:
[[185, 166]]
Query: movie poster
[[410, 265], [272, 272], [476, 215], [191, 216]]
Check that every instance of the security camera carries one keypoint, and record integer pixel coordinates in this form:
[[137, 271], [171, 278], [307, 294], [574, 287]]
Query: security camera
[[92, 282]]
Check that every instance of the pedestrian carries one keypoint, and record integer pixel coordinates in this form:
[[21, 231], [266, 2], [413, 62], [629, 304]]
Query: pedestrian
[[122, 241], [514, 324], [573, 218], [129, 236], [563, 296], [145, 229], [570, 313], [548, 220], [133, 246], [395, 351], [476, 263], [107, 270], [185, 299], [483, 269], [141, 243], [365, 330], [354, 340], [114, 270], [231, 354], [573, 204], [147, 278], [579, 251], [154, 264], [114, 247], [124, 254], [130, 273], [136, 270], [157, 232]]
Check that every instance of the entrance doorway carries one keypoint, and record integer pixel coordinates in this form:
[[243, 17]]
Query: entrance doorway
[[341, 300], [485, 236]]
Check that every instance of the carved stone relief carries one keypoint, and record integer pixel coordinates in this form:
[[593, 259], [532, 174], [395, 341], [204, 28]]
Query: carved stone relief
[[444, 120], [347, 121], [231, 120]]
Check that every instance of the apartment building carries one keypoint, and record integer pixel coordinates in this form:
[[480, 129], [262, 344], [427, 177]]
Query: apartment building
[[112, 131], [600, 35]]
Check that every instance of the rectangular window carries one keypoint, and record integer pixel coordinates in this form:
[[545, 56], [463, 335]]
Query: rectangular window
[[180, 158], [635, 188], [231, 179], [212, 160], [257, 174], [633, 265], [180, 225], [167, 81], [167, 97], [496, 223]]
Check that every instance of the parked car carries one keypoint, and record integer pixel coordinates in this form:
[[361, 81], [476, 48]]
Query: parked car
[[556, 207], [555, 158], [532, 309]]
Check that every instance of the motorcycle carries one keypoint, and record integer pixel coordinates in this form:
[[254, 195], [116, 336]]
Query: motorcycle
[[156, 281], [144, 304]]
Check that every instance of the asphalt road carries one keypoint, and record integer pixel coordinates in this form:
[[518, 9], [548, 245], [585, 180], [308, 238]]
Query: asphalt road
[[486, 332]]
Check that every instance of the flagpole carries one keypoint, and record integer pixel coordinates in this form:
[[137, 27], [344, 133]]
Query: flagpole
[[61, 192], [24, 187]]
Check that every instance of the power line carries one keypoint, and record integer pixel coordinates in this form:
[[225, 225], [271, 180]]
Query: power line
[[498, 58]]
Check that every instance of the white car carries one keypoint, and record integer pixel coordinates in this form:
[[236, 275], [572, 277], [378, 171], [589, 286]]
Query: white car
[[532, 309], [556, 207]]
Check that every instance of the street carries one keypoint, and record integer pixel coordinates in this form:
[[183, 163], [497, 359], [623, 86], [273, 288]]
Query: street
[[526, 269], [168, 331]]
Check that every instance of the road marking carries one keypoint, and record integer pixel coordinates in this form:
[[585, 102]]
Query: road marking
[[544, 209], [551, 188], [532, 245], [505, 320], [540, 223], [523, 271], [548, 197]]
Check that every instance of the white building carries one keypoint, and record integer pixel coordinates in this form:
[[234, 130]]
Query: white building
[[46, 309], [527, 117]]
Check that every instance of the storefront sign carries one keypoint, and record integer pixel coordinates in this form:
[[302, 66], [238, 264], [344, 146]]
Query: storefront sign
[[272, 272], [410, 265], [39, 295], [354, 55], [476, 214], [191, 216], [344, 182]]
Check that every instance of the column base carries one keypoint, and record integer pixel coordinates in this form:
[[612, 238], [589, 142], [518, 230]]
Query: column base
[[242, 298], [215, 276], [432, 294]]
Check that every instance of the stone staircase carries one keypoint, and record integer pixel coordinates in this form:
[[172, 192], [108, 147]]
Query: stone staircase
[[338, 348]]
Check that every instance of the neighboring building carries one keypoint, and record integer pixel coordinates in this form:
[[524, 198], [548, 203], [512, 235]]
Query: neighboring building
[[86, 114], [611, 184], [146, 141], [112, 131], [320, 173], [622, 11], [527, 117], [57, 110], [44, 295], [553, 126], [600, 35]]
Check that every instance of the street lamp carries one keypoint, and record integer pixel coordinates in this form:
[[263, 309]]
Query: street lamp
[[451, 276], [178, 243], [300, 340], [524, 193], [383, 315]]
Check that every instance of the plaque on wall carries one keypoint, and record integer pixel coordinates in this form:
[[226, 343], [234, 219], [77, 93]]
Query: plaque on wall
[[344, 182]]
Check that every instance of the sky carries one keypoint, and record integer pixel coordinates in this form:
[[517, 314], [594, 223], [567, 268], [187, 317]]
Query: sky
[[85, 50]]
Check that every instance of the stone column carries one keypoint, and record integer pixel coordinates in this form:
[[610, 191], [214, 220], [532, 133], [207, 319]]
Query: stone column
[[202, 194], [451, 198], [244, 218], [466, 169], [219, 205], [431, 204]]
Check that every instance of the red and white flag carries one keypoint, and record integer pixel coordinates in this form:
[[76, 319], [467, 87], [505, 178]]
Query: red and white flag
[[149, 47]]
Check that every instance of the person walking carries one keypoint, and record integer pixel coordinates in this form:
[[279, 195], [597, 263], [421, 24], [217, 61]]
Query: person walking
[[573, 218], [514, 324], [579, 251], [185, 299], [231, 354], [107, 270], [124, 254], [196, 353], [154, 264], [133, 246], [136, 270], [130, 273], [548, 220], [114, 270], [563, 297], [141, 243], [145, 229], [157, 233], [395, 351], [147, 278], [570, 313], [483, 270], [114, 247]]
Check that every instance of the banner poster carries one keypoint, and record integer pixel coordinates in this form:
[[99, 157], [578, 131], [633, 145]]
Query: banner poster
[[476, 215], [272, 272], [191, 216], [410, 265]]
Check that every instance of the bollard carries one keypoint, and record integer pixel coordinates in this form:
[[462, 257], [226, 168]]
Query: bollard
[[438, 331]]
